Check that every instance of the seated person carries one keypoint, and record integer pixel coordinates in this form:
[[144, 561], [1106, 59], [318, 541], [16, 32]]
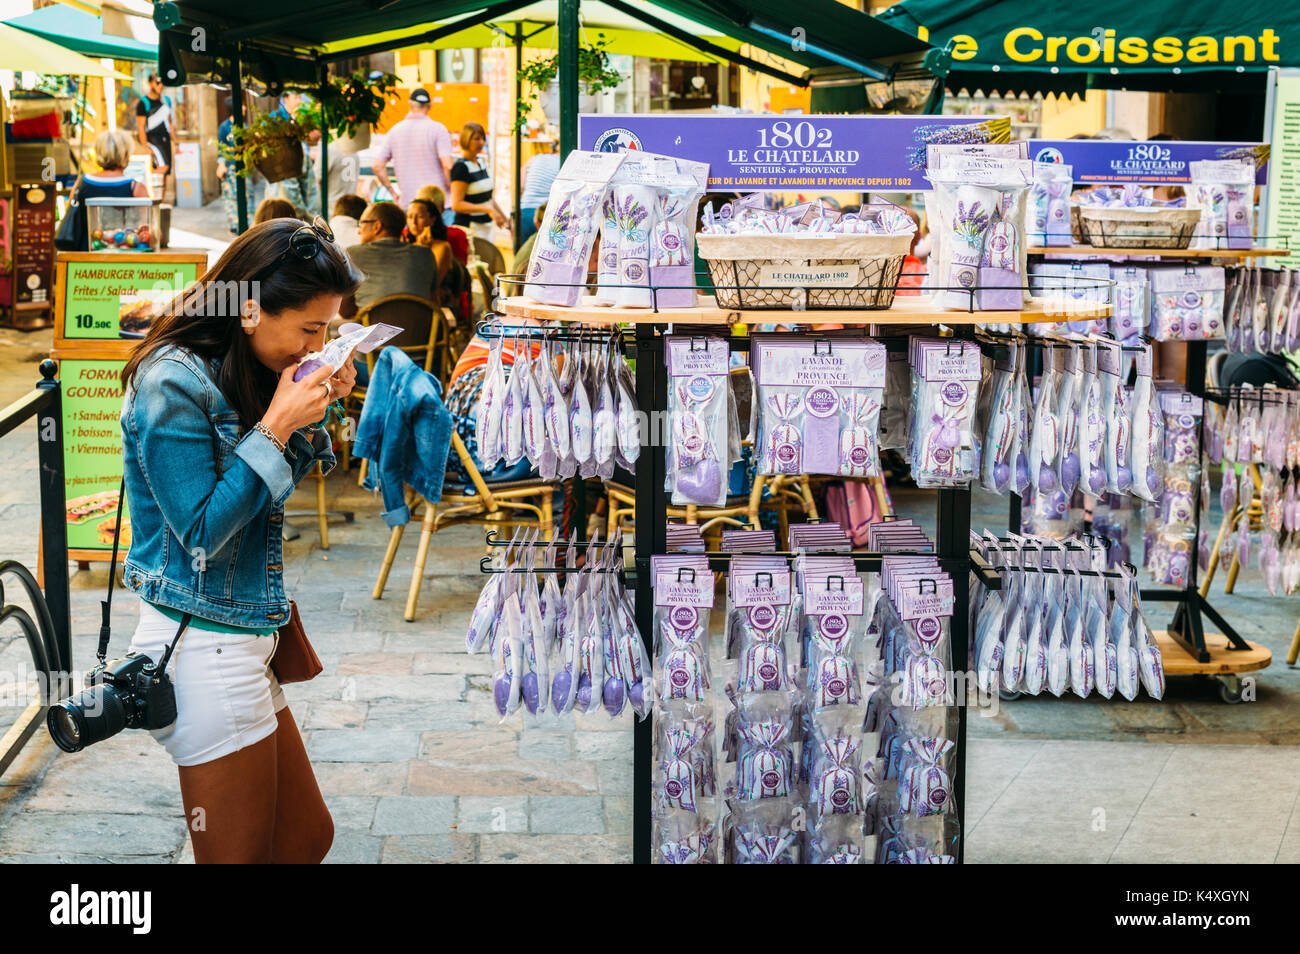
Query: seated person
[[274, 208], [391, 266], [457, 236], [345, 222], [425, 227]]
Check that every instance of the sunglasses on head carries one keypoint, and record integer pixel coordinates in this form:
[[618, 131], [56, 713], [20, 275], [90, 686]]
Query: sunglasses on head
[[304, 245]]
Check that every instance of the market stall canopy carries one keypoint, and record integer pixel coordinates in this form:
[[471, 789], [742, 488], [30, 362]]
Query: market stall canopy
[[809, 34], [20, 50], [536, 23], [82, 33], [1013, 46]]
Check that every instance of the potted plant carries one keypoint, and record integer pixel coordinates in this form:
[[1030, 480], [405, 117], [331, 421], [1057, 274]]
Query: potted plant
[[272, 144], [350, 105], [594, 75]]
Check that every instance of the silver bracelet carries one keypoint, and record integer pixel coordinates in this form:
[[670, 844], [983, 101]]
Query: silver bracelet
[[266, 432]]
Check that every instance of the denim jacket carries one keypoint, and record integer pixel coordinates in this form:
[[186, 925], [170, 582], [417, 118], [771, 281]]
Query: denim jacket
[[206, 502], [405, 433]]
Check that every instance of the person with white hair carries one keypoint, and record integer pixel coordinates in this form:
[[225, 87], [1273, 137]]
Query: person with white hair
[[112, 153]]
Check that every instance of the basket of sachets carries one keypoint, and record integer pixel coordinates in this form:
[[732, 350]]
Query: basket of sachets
[[1128, 217], [804, 256]]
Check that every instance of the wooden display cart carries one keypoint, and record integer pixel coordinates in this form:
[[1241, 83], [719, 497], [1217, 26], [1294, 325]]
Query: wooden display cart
[[103, 303]]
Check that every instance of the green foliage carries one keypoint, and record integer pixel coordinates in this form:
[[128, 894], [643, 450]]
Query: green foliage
[[355, 102], [594, 75], [267, 135]]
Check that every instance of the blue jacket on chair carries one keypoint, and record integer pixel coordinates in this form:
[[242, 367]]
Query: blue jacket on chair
[[405, 433]]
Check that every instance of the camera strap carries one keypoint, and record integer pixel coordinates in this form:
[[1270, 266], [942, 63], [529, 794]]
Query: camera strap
[[106, 604]]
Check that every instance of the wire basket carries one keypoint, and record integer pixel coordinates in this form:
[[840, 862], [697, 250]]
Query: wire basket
[[1138, 228], [802, 271]]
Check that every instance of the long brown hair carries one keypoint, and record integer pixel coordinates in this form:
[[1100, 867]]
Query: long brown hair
[[205, 318]]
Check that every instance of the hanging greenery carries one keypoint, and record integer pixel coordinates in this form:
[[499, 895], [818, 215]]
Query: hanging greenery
[[594, 75], [349, 103], [267, 137]]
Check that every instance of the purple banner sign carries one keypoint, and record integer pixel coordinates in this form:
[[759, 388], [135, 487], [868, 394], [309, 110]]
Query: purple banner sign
[[775, 153], [1163, 162]]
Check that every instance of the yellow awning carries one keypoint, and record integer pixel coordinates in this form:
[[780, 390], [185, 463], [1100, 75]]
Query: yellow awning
[[618, 41], [20, 50]]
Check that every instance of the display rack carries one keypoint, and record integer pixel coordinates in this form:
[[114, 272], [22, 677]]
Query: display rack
[[906, 310], [1185, 647], [953, 507]]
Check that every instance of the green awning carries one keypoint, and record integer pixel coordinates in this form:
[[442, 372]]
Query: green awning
[[82, 33], [1118, 43], [810, 33]]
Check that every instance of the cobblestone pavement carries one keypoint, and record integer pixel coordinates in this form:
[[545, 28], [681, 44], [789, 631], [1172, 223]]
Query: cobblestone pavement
[[415, 767]]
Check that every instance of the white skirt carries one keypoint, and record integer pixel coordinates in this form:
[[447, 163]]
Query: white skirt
[[226, 694]]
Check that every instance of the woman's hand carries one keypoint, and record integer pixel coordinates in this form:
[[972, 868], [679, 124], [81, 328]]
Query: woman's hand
[[346, 378], [299, 403], [497, 216]]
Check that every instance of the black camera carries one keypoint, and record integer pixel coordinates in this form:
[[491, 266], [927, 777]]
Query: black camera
[[126, 693]]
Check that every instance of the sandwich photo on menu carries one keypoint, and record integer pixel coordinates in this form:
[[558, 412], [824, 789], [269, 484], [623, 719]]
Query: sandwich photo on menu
[[84, 509]]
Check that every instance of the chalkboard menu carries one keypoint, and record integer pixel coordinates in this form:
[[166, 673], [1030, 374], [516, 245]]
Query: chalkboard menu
[[33, 245]]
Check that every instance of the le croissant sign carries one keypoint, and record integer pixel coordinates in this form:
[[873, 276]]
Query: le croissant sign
[[1115, 36]]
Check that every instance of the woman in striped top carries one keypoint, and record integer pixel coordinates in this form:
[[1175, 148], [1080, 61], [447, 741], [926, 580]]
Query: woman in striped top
[[471, 187]]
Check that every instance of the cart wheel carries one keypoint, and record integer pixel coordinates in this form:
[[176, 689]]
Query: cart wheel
[[1230, 689], [1009, 696]]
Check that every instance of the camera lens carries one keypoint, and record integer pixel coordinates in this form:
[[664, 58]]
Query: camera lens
[[86, 718]]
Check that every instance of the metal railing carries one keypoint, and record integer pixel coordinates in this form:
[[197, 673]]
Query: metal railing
[[49, 635]]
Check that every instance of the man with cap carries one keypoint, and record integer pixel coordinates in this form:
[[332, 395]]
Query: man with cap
[[420, 148]]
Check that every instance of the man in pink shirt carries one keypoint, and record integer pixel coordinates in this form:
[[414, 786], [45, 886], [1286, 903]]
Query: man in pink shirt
[[420, 148]]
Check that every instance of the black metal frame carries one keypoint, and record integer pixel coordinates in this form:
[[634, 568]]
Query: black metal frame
[[49, 636]]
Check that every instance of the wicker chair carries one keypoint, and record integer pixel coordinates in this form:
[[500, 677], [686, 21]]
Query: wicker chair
[[510, 504]]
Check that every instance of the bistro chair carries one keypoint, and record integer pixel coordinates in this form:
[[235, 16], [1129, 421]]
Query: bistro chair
[[739, 510], [515, 503]]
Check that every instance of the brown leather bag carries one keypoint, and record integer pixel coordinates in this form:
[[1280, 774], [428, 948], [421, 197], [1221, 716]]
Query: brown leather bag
[[294, 659]]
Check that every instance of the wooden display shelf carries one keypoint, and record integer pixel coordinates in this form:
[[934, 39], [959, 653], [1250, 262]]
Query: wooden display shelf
[[1162, 252], [907, 310], [1224, 660]]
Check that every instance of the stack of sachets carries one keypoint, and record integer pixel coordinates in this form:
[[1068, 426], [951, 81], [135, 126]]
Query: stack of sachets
[[978, 224], [685, 807], [1049, 205], [705, 425], [1224, 191], [759, 737], [1170, 555], [642, 207], [1187, 302], [820, 402], [647, 233], [912, 709], [942, 443]]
